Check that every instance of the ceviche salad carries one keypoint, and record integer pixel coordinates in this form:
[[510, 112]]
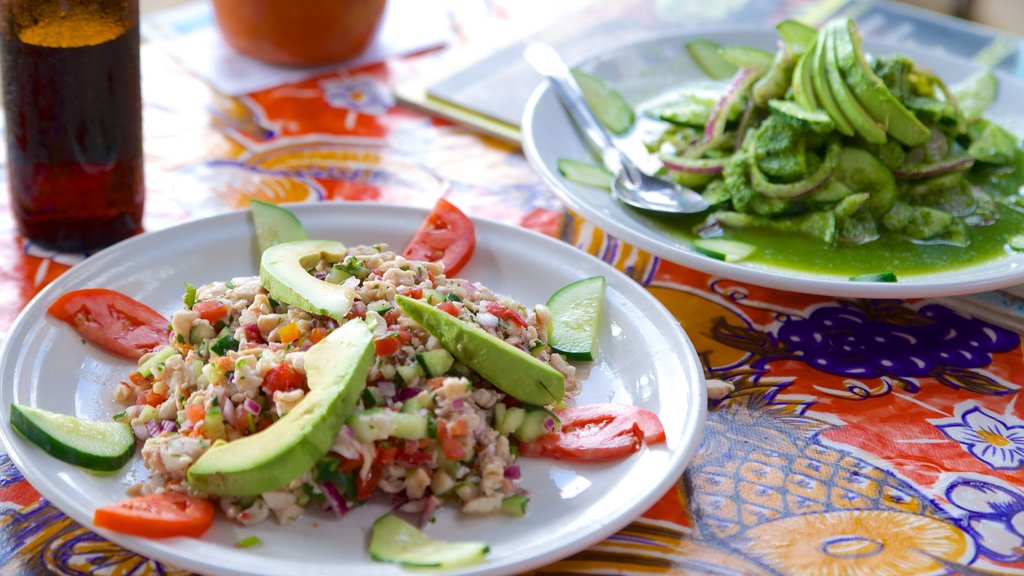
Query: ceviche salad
[[338, 375], [819, 150]]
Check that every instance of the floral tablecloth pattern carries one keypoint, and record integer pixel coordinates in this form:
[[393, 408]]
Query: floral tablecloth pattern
[[862, 436]]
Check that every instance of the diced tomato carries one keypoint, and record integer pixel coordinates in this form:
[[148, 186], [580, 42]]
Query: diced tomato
[[317, 334], [598, 432], [365, 487], [348, 464], [387, 345], [414, 452], [391, 316], [211, 310], [450, 444], [446, 236], [161, 515], [138, 379], [404, 336], [118, 323], [451, 308], [415, 292], [436, 381], [504, 313], [283, 378], [195, 412], [151, 398], [386, 454]]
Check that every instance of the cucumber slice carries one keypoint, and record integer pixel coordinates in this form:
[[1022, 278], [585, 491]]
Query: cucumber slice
[[103, 446], [576, 316], [879, 277], [976, 94], [816, 120], [508, 419], [586, 174], [514, 505], [146, 368], [274, 224], [706, 55], [796, 35], [747, 58], [722, 249], [537, 422], [395, 540], [608, 105], [435, 362]]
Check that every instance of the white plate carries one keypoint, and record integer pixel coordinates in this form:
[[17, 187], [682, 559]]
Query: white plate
[[644, 358], [647, 70]]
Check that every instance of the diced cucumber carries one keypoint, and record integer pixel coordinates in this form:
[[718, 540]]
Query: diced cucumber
[[274, 224], [514, 505], [410, 372], [395, 540], [94, 445], [537, 422], [796, 35], [146, 368], [723, 249], [213, 422], [435, 362], [817, 120], [611, 109], [747, 57], [432, 296], [416, 403], [337, 275], [509, 420], [378, 424], [379, 306], [223, 344], [586, 174], [576, 317], [879, 277], [706, 55]]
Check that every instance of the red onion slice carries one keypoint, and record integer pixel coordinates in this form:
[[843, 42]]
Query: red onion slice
[[915, 171]]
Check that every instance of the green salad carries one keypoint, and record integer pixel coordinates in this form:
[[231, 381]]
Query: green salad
[[818, 150]]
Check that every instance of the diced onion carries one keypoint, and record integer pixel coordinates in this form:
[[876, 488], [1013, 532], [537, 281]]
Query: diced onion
[[513, 472], [251, 406], [487, 320], [386, 388], [334, 500]]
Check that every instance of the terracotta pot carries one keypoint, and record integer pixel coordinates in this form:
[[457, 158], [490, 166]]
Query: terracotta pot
[[299, 32]]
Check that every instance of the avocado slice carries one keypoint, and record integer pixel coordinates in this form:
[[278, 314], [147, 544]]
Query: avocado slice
[[283, 272], [864, 124], [871, 92], [822, 91], [514, 371], [336, 369]]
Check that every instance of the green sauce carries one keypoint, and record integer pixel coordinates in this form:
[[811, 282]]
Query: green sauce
[[890, 253]]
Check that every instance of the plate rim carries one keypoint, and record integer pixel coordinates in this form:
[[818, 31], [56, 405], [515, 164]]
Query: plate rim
[[679, 459], [779, 278]]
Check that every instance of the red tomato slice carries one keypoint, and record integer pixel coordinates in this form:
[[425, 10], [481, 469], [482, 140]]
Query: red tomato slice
[[113, 321], [447, 235], [598, 432], [157, 516]]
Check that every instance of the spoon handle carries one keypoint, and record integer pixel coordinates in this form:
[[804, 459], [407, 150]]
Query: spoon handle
[[545, 60]]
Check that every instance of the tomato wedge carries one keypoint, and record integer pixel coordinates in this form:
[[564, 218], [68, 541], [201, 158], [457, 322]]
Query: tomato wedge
[[118, 323], [157, 516], [446, 235], [598, 432]]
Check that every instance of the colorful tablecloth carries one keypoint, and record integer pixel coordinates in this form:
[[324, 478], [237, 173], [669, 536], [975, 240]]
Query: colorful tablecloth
[[862, 437]]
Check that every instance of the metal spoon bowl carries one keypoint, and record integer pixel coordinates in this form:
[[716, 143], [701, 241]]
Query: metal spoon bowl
[[631, 185]]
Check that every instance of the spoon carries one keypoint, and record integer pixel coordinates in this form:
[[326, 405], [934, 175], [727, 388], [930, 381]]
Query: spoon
[[631, 185]]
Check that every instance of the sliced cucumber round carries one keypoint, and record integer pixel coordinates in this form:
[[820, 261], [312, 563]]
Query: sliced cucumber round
[[274, 224], [878, 277], [586, 174], [395, 540], [103, 446], [576, 317], [611, 109], [722, 249]]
